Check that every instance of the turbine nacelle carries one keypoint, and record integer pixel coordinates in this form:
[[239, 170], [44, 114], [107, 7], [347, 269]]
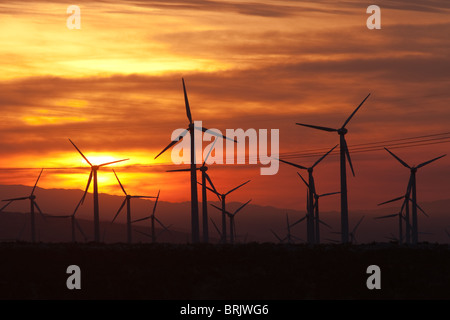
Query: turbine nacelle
[[342, 131]]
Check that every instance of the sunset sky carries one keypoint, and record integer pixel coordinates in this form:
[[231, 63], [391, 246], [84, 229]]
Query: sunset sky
[[114, 88]]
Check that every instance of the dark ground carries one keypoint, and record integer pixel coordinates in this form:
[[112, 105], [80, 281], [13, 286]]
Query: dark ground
[[224, 272]]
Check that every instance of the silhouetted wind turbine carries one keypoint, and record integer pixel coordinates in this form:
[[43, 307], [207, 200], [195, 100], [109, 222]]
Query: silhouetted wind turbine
[[344, 155], [194, 196], [289, 235], [153, 218], [74, 223], [412, 188], [405, 206], [218, 231], [127, 201], [316, 209], [93, 175], [231, 216], [310, 204], [203, 168], [352, 234], [400, 229], [33, 205], [222, 197]]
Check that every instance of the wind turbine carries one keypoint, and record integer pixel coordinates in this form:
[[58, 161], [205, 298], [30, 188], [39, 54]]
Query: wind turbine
[[312, 189], [352, 234], [405, 206], [218, 231], [33, 205], [152, 218], [231, 216], [74, 223], [289, 235], [222, 197], [127, 201], [194, 196], [344, 156], [316, 208], [203, 168], [412, 189], [400, 229], [93, 175]]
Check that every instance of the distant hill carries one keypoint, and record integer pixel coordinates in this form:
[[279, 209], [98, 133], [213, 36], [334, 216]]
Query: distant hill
[[252, 223]]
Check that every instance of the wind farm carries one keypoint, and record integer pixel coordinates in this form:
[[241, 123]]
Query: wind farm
[[191, 119]]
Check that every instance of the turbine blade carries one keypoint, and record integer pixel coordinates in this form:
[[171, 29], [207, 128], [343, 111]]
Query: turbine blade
[[351, 116], [220, 209], [218, 194], [118, 211], [387, 216], [219, 135], [241, 207], [209, 152], [80, 229], [143, 233], [329, 194], [180, 170], [186, 102], [276, 236], [32, 191], [142, 219], [142, 197], [317, 127], [325, 224], [80, 153], [398, 159], [357, 225], [161, 224], [39, 210], [392, 200], [217, 229], [173, 142], [298, 221], [429, 161], [407, 194], [121, 186], [303, 179], [156, 202], [78, 205], [57, 217], [347, 153], [293, 164], [16, 199], [323, 157], [414, 203], [212, 185], [237, 187], [4, 207], [108, 163], [87, 187]]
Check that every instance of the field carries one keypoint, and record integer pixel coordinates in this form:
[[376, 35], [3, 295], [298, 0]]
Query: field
[[247, 271]]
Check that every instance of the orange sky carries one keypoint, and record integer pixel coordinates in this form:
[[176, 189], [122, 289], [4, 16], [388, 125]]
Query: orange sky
[[114, 88]]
